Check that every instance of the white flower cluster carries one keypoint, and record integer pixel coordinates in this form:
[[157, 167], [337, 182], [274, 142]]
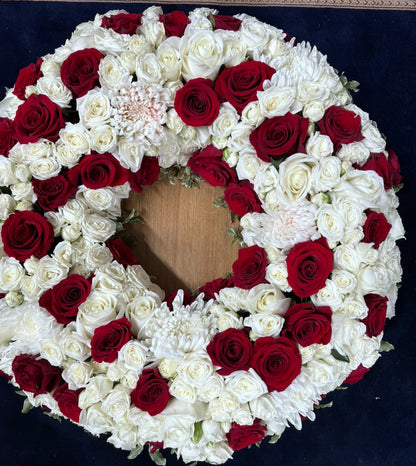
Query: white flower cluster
[[316, 194]]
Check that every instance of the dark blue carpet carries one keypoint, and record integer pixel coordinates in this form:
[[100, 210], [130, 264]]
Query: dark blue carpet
[[372, 423]]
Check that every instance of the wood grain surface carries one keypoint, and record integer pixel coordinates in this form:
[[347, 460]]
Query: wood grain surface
[[184, 241]]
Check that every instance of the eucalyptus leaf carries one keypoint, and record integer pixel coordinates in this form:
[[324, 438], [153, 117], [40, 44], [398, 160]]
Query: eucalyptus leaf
[[135, 452], [385, 346], [326, 405], [274, 439], [338, 356], [27, 406], [158, 458]]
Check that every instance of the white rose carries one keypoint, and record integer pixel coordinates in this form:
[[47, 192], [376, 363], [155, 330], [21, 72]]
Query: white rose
[[263, 407], [225, 121], [182, 390], [7, 205], [54, 88], [178, 431], [319, 145], [71, 232], [346, 257], [327, 173], [255, 35], [63, 253], [314, 111], [265, 325], [295, 175], [9, 105], [45, 168], [77, 137], [229, 319], [373, 140], [167, 368], [354, 306], [138, 46], [22, 172], [154, 32], [195, 368], [103, 138], [233, 298], [247, 166], [130, 152], [202, 55], [23, 192], [73, 211], [219, 453], [277, 274], [168, 56], [148, 69], [349, 209], [251, 114], [265, 298], [66, 155], [174, 122], [95, 227], [50, 68], [99, 309], [347, 335], [7, 175], [94, 109], [94, 420], [30, 289], [11, 274], [51, 351], [96, 390], [97, 255], [330, 223], [212, 388], [243, 416], [246, 385], [221, 407], [326, 375], [355, 152], [111, 71], [77, 374], [267, 178], [374, 279], [276, 101], [49, 272], [344, 280], [117, 402], [133, 355], [329, 295], [140, 310], [101, 200]]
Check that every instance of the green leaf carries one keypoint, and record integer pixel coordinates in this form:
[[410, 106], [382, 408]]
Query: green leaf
[[277, 162], [27, 406], [198, 432], [135, 452], [398, 187], [274, 439], [338, 356], [385, 346], [158, 458], [236, 235], [220, 202], [326, 405], [212, 20], [53, 416]]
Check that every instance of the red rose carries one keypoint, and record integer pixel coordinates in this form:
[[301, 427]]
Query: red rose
[[68, 401], [308, 324], [277, 362], [147, 174], [151, 393], [123, 23], [121, 252], [208, 164], [79, 72], [387, 167], [280, 136], [26, 234], [175, 23], [53, 192], [35, 375], [108, 340], [36, 118], [356, 375], [228, 23], [241, 198], [231, 351], [7, 136], [27, 77], [308, 266], [210, 288], [187, 299], [240, 437], [376, 228], [376, 317], [250, 267], [341, 125], [239, 84], [196, 102], [64, 299], [101, 170]]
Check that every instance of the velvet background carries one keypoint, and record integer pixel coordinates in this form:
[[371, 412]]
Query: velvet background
[[373, 422]]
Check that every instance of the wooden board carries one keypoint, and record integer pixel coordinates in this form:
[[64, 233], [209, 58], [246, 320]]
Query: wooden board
[[184, 241]]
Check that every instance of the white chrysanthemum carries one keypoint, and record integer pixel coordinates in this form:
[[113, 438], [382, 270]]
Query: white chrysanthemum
[[139, 108], [283, 228], [184, 330]]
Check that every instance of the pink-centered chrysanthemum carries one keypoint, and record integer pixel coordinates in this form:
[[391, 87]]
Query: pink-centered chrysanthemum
[[282, 228], [139, 110]]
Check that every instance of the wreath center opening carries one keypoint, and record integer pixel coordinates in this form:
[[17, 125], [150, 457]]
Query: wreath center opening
[[183, 242]]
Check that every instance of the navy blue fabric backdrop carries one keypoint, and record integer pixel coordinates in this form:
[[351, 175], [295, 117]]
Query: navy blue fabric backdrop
[[373, 422]]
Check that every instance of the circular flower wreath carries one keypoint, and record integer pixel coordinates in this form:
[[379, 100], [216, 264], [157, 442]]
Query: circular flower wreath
[[235, 102]]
